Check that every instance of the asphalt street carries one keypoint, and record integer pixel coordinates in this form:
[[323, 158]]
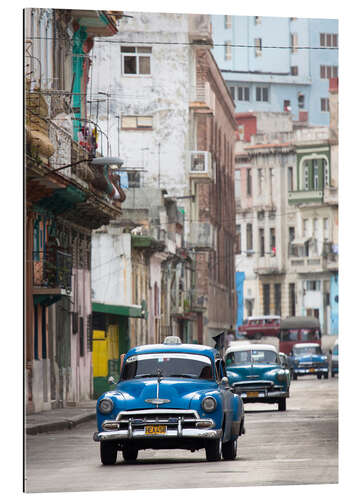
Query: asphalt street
[[296, 447]]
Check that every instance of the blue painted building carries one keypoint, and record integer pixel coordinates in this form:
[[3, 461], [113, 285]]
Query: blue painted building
[[334, 305], [240, 298], [266, 68]]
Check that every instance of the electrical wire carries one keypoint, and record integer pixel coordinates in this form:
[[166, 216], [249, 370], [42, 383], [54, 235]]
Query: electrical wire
[[201, 44]]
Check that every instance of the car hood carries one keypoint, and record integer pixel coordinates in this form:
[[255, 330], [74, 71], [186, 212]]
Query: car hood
[[309, 358], [255, 371], [178, 391]]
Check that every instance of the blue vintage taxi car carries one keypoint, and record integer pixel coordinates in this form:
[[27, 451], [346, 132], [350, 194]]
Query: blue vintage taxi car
[[170, 395], [308, 359], [256, 373]]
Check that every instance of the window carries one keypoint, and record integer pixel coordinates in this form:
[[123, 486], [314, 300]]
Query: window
[[136, 122], [227, 22], [258, 46], [227, 51], [272, 242], [328, 40], [260, 180], [286, 106], [243, 93], [306, 177], [238, 239], [304, 227], [291, 248], [249, 238], [261, 241], [315, 169], [133, 179], [294, 42], [232, 91], [327, 72], [136, 60], [326, 227], [313, 285], [262, 94], [249, 181], [266, 299], [325, 106], [301, 101], [277, 299], [292, 299], [294, 70], [290, 179]]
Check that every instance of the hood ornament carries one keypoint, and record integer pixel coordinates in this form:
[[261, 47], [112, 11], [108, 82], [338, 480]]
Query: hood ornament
[[157, 401]]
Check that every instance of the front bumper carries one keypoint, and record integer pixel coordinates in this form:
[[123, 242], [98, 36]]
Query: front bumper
[[310, 370], [260, 394], [170, 433]]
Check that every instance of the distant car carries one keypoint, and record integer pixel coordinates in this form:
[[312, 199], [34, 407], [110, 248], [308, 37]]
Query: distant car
[[334, 360], [308, 359], [257, 327], [256, 373], [170, 395]]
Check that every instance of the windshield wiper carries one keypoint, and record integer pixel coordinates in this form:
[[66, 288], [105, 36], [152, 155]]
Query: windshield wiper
[[184, 375]]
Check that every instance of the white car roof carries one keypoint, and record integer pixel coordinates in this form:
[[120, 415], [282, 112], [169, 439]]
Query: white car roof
[[307, 344], [243, 346]]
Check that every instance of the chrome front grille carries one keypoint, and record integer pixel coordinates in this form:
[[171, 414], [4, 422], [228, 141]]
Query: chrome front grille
[[257, 385]]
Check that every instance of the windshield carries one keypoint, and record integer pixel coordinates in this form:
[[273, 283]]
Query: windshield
[[312, 349], [174, 364], [251, 356]]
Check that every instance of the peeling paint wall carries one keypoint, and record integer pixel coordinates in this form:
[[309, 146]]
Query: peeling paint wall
[[164, 95]]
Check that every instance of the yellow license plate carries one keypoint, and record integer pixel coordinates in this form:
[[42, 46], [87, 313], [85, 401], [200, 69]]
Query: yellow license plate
[[253, 394], [155, 429], [312, 370]]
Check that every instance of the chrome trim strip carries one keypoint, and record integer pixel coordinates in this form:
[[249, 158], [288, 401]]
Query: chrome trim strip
[[139, 434], [156, 411]]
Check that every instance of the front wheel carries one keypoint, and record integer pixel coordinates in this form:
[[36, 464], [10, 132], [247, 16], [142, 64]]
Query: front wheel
[[319, 376], [282, 405], [229, 450], [108, 452], [325, 375], [214, 450], [332, 374], [294, 376]]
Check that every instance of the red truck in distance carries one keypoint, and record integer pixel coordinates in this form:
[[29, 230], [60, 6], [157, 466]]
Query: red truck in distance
[[256, 327]]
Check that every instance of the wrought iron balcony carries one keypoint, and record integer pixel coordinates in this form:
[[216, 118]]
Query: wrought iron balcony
[[52, 269]]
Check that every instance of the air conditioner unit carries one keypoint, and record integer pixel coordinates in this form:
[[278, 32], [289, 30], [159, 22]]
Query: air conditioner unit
[[200, 165]]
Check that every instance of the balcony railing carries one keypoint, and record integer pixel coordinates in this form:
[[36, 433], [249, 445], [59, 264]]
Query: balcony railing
[[312, 196], [52, 269]]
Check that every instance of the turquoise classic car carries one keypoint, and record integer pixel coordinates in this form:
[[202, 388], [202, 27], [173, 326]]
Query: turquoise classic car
[[256, 373], [308, 359], [170, 395]]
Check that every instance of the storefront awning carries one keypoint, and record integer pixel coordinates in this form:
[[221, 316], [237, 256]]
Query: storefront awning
[[132, 310]]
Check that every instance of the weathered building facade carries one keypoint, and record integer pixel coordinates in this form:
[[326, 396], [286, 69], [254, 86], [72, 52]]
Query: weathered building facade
[[286, 198], [172, 114], [65, 200]]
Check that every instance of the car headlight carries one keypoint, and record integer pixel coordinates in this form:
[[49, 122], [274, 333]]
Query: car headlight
[[281, 376], [105, 406], [209, 404], [323, 358]]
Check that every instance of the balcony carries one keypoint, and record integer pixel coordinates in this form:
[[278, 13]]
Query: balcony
[[300, 197], [202, 98], [52, 276], [302, 265], [199, 301]]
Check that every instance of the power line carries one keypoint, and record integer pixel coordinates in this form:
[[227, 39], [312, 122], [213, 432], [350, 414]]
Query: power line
[[203, 44]]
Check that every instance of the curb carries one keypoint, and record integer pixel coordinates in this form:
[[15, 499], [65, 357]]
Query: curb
[[59, 425]]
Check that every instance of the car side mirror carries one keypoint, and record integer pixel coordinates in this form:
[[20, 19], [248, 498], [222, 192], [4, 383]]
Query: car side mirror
[[111, 381]]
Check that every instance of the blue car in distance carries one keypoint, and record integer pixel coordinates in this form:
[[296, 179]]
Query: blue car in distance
[[257, 373], [170, 395], [308, 359]]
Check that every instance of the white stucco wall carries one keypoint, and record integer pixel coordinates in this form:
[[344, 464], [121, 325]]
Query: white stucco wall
[[111, 267], [164, 95]]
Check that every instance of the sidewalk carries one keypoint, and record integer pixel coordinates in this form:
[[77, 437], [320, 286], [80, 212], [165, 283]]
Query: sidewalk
[[60, 418]]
